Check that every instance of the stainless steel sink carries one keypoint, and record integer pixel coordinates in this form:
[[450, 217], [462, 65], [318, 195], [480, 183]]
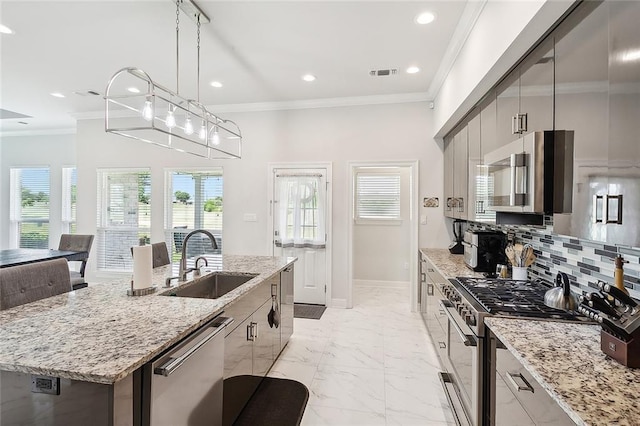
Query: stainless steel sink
[[211, 286]]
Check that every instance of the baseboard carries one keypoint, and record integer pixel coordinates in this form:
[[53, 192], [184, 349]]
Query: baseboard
[[339, 303], [379, 283]]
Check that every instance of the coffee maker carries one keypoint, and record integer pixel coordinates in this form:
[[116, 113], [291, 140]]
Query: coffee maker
[[456, 247]]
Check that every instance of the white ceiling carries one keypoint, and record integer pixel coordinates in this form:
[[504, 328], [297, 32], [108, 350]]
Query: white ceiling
[[258, 49]]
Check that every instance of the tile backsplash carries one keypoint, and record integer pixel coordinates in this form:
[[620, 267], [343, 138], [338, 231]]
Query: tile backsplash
[[584, 261]]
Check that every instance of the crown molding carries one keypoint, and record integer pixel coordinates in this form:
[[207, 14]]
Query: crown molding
[[470, 15]]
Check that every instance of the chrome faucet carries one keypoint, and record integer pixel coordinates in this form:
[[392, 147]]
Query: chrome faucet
[[183, 261]]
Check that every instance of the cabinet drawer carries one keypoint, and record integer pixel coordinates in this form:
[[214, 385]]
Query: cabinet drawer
[[537, 403]]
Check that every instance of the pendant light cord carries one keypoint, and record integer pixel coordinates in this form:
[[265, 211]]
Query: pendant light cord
[[177, 46], [198, 61]]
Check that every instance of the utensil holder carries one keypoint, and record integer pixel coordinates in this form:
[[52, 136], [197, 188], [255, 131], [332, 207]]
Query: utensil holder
[[626, 353], [519, 273]]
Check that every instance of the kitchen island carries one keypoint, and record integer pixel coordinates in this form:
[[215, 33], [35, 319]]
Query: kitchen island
[[565, 358], [99, 335]]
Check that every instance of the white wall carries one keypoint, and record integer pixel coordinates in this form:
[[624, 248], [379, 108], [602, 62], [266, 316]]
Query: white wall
[[359, 133], [53, 151], [503, 33]]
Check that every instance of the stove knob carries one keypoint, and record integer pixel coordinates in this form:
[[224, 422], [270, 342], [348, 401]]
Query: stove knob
[[470, 319]]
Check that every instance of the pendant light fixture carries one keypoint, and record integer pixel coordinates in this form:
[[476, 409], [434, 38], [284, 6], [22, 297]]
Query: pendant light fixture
[[163, 117]]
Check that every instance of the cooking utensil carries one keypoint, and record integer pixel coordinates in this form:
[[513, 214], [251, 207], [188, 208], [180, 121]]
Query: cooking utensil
[[596, 302], [617, 294], [561, 297], [511, 254]]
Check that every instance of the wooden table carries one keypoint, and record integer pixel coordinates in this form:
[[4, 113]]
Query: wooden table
[[14, 257]]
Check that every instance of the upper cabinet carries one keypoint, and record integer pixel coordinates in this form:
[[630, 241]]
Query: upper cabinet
[[524, 101], [456, 174], [598, 97]]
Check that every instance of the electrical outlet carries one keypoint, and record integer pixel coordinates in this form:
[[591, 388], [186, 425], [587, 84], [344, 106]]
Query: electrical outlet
[[423, 219]]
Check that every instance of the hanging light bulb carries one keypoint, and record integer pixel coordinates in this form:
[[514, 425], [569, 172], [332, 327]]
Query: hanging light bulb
[[203, 131], [215, 137], [147, 111], [170, 121], [188, 126]]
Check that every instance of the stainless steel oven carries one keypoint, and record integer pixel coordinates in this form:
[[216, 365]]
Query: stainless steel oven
[[465, 356]]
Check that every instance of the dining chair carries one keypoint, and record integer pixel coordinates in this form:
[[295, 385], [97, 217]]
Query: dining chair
[[159, 254], [34, 281], [77, 242]]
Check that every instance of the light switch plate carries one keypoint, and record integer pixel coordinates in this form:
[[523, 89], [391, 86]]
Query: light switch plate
[[423, 219], [250, 217]]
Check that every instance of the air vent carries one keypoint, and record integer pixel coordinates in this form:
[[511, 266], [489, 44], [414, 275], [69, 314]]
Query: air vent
[[383, 73], [86, 93]]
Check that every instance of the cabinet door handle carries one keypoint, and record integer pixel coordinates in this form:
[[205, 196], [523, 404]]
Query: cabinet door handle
[[598, 201], [423, 277], [618, 204], [255, 330], [250, 332], [442, 345], [522, 386], [461, 204], [450, 203]]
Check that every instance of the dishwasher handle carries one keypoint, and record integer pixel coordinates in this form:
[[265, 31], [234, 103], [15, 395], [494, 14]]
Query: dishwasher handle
[[173, 364]]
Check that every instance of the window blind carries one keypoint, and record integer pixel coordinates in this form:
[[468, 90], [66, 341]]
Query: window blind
[[377, 196], [194, 200], [29, 207], [124, 216], [69, 197]]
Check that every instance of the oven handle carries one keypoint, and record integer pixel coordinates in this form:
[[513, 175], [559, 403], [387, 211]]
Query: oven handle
[[466, 339]]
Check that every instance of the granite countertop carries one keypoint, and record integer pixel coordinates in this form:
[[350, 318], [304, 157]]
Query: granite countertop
[[566, 360], [449, 265], [99, 334]]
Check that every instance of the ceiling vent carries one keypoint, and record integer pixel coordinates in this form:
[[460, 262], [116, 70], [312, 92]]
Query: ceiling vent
[[86, 93], [383, 73]]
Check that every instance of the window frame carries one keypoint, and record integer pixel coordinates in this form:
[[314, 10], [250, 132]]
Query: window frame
[[396, 219], [16, 220]]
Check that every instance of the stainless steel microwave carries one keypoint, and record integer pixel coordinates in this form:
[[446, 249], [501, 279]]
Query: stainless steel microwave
[[533, 174]]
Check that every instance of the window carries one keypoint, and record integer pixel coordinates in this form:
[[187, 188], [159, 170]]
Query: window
[[377, 196], [194, 200], [69, 196], [300, 210], [29, 207], [124, 216]]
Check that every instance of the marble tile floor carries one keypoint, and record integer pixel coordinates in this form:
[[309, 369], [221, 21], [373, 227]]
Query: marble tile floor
[[370, 365]]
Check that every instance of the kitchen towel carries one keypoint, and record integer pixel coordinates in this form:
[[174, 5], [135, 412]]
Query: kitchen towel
[[142, 267]]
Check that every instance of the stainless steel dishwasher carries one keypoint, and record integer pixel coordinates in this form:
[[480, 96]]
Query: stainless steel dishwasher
[[183, 386]]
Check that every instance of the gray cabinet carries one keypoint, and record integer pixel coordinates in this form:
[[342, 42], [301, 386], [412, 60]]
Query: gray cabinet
[[456, 174], [597, 96], [286, 305], [525, 96], [432, 313]]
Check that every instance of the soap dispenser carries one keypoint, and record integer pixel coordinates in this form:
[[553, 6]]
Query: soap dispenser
[[618, 273]]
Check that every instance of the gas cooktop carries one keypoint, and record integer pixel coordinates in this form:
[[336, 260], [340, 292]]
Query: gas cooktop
[[515, 298]]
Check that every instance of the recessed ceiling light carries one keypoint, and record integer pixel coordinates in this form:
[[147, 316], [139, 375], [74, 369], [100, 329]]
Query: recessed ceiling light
[[425, 18], [133, 90], [308, 77], [413, 70], [57, 95], [5, 30], [216, 84]]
